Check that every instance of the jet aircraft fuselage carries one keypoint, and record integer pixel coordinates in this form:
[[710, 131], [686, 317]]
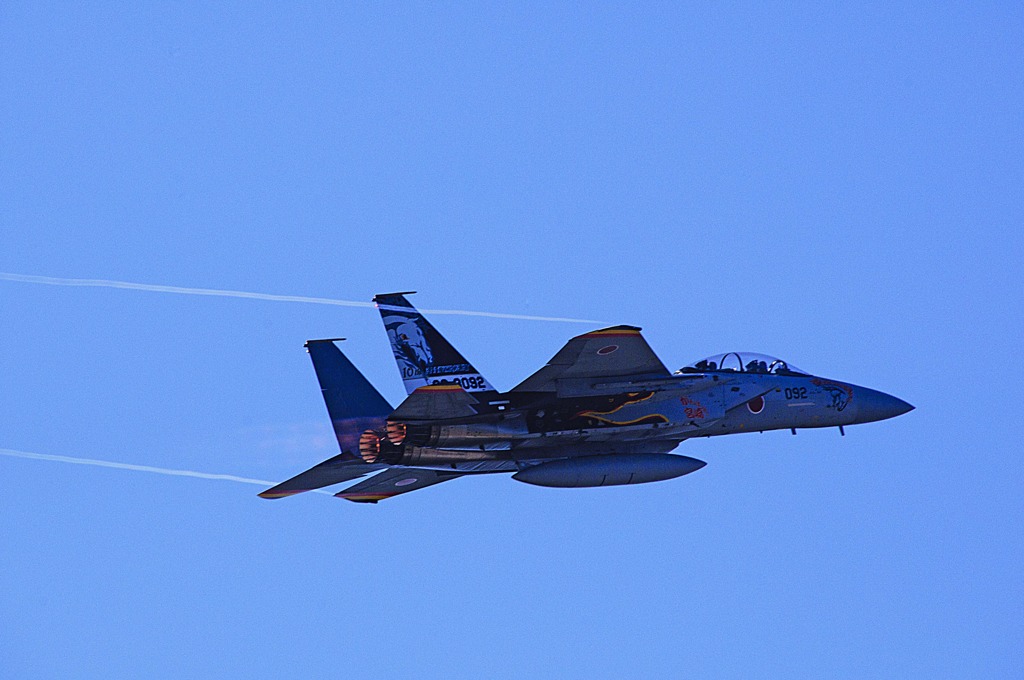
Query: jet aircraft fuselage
[[634, 416], [603, 411]]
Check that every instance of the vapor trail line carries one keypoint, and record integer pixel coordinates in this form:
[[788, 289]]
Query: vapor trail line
[[215, 292], [137, 468]]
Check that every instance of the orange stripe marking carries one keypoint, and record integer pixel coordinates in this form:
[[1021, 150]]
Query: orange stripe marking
[[610, 334], [446, 387]]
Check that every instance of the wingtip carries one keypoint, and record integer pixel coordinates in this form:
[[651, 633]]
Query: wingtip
[[613, 331], [270, 494], [391, 295], [362, 497], [310, 342]]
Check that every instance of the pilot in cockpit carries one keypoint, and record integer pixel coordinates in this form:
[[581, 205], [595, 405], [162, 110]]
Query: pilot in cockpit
[[755, 366]]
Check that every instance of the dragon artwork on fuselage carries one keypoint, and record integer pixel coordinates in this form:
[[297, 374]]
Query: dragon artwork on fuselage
[[623, 414], [595, 412]]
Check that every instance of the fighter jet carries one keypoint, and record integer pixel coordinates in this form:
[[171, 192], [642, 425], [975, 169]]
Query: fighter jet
[[603, 411]]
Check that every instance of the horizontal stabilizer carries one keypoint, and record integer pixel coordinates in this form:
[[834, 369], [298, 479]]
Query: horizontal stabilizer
[[435, 402], [394, 482], [334, 471]]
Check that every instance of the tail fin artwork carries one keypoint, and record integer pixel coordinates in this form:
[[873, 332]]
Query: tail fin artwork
[[424, 356]]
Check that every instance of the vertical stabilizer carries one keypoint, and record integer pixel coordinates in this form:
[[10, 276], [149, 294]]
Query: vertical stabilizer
[[352, 402], [424, 356]]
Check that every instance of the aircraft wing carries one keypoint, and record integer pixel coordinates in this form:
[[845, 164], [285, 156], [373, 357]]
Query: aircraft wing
[[339, 469], [394, 482], [616, 352]]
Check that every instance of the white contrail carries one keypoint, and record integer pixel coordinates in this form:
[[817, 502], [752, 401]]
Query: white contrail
[[138, 468], [215, 292]]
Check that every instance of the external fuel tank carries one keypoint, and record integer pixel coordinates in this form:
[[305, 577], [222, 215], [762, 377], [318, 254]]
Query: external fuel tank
[[609, 470]]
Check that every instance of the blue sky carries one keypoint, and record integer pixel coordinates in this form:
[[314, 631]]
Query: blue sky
[[840, 188]]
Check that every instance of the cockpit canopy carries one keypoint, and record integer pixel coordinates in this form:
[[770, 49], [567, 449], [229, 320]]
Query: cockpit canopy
[[742, 362]]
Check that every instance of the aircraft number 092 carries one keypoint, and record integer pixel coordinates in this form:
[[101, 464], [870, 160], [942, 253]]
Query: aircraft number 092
[[796, 393], [473, 382]]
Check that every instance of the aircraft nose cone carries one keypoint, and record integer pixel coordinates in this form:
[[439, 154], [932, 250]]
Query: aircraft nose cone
[[873, 405]]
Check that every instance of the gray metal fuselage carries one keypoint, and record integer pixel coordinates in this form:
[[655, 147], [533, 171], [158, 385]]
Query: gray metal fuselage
[[586, 418], [603, 411]]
